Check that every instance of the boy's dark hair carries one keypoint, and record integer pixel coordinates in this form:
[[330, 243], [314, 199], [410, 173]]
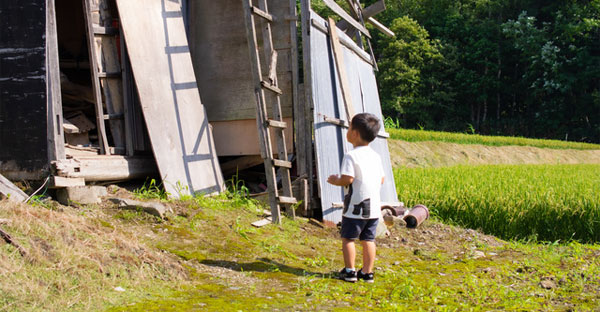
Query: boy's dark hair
[[367, 126]]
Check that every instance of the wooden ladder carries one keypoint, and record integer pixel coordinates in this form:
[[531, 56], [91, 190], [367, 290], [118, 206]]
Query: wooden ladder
[[268, 83], [107, 79]]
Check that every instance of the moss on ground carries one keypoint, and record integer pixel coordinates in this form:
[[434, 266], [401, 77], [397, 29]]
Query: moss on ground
[[437, 267]]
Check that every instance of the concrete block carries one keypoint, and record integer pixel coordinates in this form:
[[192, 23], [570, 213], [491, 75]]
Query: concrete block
[[81, 195]]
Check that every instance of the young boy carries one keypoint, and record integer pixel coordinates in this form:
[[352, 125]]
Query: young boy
[[362, 171]]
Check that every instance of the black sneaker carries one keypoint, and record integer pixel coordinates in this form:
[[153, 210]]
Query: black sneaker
[[367, 277], [348, 276]]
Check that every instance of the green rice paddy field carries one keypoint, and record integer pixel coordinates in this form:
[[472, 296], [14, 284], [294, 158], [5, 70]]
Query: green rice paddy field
[[538, 202]]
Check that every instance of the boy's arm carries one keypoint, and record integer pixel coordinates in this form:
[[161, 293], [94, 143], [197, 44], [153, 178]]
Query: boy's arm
[[344, 180]]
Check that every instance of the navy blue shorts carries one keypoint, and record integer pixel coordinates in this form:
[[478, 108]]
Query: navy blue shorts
[[363, 229]]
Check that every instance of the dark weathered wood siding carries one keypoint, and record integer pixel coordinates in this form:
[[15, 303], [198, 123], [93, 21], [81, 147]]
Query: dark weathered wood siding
[[23, 90]]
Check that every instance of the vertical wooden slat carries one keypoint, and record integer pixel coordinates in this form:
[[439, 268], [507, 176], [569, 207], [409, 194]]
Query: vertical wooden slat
[[56, 139], [305, 142], [338, 53], [127, 98]]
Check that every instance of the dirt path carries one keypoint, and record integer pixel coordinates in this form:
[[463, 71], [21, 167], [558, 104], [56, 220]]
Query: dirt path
[[440, 154]]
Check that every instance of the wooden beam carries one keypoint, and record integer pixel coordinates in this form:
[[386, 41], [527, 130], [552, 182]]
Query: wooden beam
[[12, 192], [339, 11], [56, 139], [263, 14], [105, 168], [381, 27], [367, 12], [60, 182], [338, 54], [346, 42], [304, 117]]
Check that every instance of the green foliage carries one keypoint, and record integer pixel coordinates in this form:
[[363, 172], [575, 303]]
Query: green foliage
[[524, 68], [151, 190], [405, 63], [549, 202], [462, 138]]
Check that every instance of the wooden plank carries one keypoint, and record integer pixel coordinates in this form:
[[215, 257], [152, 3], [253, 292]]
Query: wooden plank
[[60, 182], [263, 14], [346, 42], [388, 32], [367, 12], [128, 102], [105, 168], [304, 116], [181, 137], [241, 163], [353, 33], [271, 87], [341, 69], [261, 223], [56, 140], [12, 192], [103, 142], [277, 124], [287, 200], [340, 11], [282, 163]]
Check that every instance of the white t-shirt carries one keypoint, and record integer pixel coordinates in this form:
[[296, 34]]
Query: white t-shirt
[[364, 164]]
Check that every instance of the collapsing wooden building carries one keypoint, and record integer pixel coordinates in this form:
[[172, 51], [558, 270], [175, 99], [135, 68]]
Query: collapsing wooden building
[[110, 90]]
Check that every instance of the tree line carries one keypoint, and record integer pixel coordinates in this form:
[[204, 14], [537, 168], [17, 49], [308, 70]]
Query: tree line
[[509, 67]]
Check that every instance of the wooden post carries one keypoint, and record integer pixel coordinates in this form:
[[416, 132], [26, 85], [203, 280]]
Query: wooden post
[[305, 154], [56, 139], [338, 53]]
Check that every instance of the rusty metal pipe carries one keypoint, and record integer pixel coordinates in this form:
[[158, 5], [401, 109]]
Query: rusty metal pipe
[[416, 216]]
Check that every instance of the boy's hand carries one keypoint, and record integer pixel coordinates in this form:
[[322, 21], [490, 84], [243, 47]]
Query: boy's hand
[[344, 180], [332, 179]]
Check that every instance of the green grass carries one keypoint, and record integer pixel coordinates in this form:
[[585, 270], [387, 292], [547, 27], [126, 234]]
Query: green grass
[[543, 202], [231, 266], [289, 268], [463, 138]]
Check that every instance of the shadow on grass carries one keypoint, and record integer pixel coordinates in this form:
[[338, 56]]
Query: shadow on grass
[[266, 265]]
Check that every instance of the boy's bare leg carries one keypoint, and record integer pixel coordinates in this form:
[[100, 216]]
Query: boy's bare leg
[[368, 256], [349, 252]]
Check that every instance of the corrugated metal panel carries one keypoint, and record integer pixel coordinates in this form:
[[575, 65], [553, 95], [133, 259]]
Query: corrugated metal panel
[[330, 140]]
